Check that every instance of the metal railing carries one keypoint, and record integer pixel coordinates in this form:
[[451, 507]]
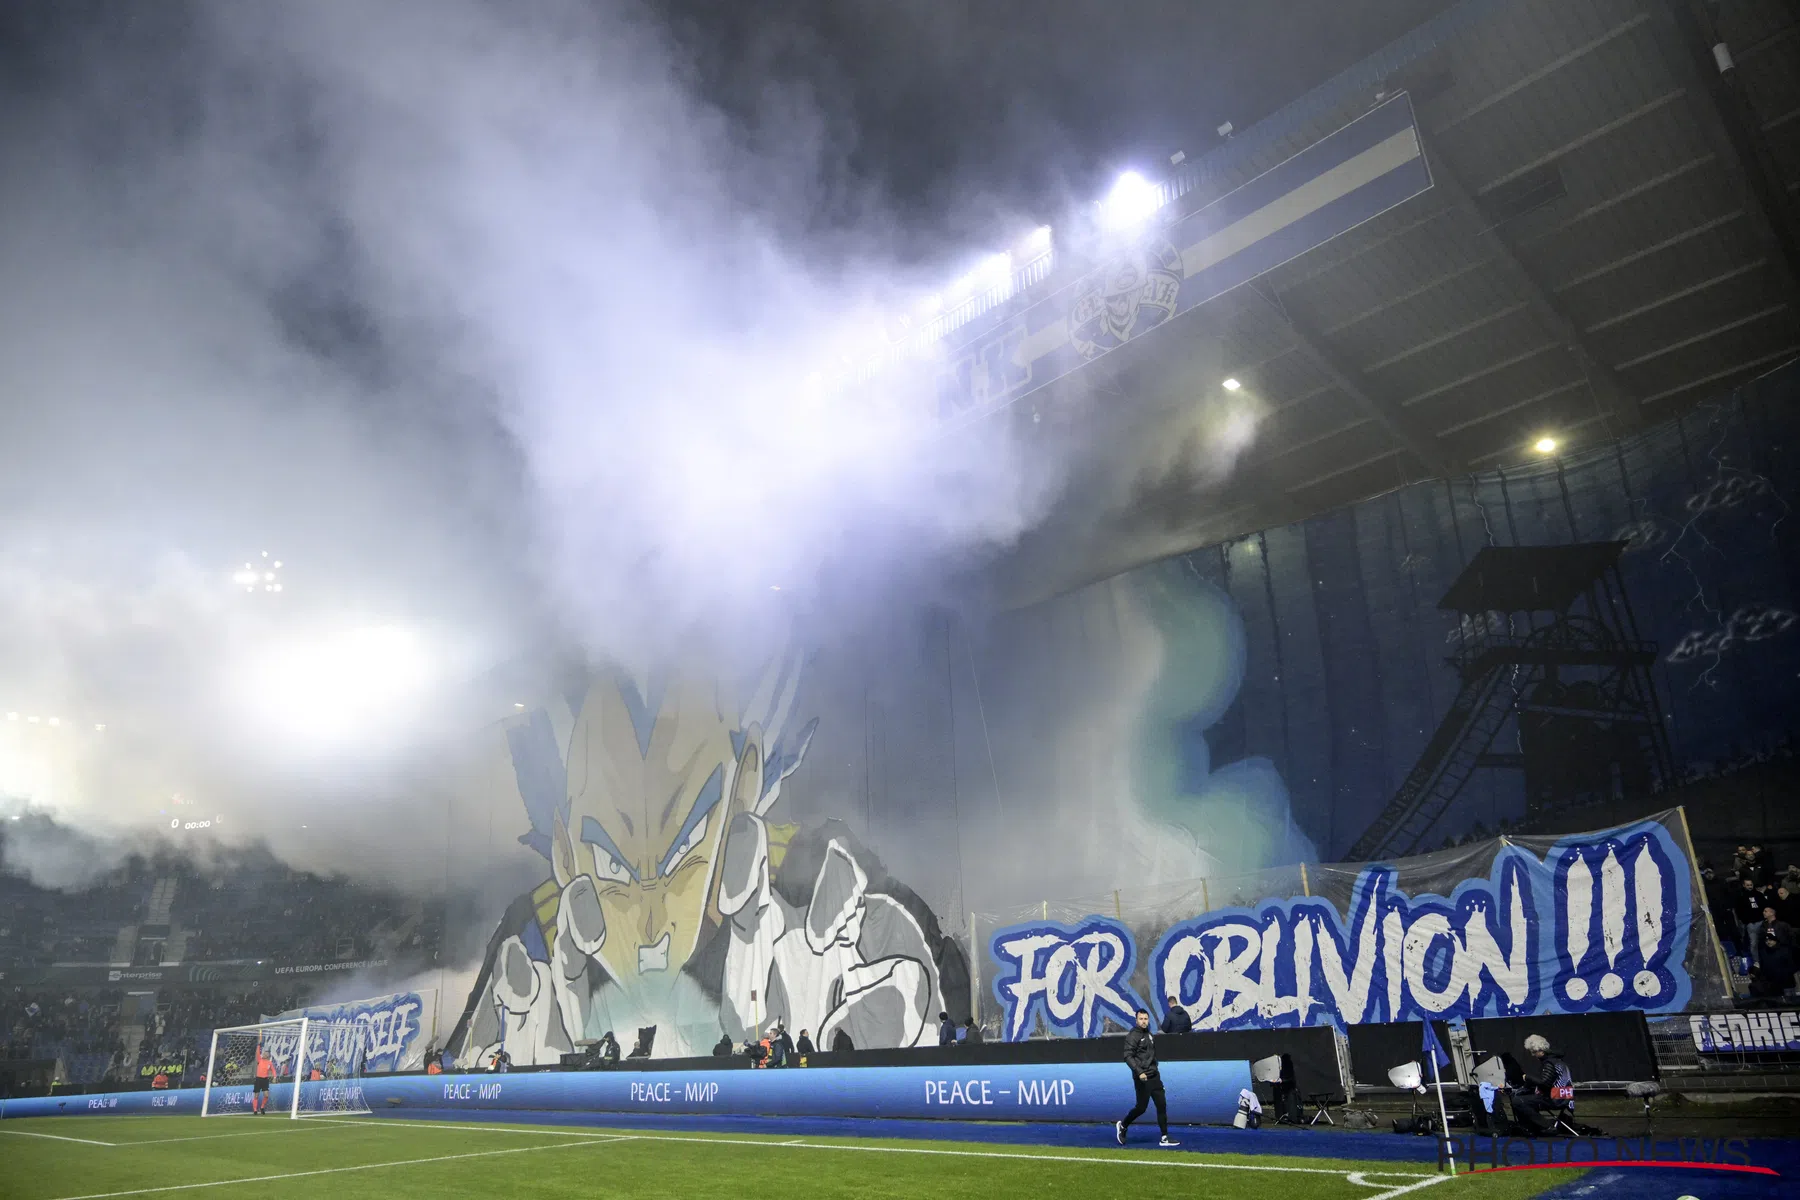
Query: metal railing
[[1748, 1067]]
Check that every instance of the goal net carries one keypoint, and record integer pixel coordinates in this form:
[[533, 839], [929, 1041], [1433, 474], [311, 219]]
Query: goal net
[[289, 1068]]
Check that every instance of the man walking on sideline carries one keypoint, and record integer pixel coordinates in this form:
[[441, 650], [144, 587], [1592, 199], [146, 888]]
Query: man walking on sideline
[[1140, 1056]]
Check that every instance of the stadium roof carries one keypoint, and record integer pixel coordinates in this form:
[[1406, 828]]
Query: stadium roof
[[1609, 239]]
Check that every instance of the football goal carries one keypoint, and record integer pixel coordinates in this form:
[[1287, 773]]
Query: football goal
[[290, 1068]]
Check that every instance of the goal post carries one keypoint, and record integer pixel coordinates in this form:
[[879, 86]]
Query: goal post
[[242, 1057], [312, 1069], [333, 1056]]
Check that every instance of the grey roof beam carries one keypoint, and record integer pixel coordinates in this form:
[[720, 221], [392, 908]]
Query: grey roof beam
[[1406, 429], [1622, 408]]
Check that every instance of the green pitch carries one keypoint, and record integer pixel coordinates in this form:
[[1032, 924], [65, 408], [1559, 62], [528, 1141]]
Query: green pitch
[[87, 1158]]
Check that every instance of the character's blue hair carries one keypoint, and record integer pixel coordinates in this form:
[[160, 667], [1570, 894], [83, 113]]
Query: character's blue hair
[[543, 776]]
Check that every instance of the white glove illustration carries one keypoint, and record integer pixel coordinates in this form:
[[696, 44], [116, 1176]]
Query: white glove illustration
[[853, 960], [543, 1007]]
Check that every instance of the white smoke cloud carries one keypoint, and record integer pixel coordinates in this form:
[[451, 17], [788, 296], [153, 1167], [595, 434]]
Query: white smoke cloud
[[471, 312]]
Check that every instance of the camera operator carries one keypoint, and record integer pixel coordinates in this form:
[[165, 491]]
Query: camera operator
[[1548, 1093]]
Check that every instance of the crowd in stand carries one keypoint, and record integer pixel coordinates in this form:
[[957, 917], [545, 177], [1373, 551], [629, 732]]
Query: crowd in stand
[[86, 1026], [258, 909], [239, 906], [243, 906], [1756, 910], [39, 926], [182, 1028], [74, 1024]]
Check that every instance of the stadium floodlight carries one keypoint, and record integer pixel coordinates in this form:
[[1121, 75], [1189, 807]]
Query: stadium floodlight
[[313, 1068], [1132, 201], [331, 684], [1545, 445]]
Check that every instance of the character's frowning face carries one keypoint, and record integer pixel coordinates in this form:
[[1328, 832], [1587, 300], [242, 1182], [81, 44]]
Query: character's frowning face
[[653, 784]]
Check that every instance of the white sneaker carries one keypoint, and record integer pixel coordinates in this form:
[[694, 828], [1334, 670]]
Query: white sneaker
[[1119, 1131], [1168, 1141]]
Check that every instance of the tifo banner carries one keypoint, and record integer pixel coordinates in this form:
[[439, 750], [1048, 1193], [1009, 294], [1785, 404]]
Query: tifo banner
[[1516, 926], [1331, 187], [399, 1026]]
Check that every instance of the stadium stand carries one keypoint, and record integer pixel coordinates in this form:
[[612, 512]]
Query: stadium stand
[[87, 973]]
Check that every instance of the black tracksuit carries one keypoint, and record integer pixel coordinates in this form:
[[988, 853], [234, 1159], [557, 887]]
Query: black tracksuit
[[1140, 1056], [1537, 1102]]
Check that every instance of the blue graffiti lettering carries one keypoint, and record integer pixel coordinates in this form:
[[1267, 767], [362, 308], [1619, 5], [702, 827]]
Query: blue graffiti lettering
[[375, 1035], [1075, 976], [1621, 923], [1601, 923]]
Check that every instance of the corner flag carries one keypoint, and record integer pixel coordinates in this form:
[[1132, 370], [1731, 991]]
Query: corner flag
[[1433, 1048], [1434, 1054]]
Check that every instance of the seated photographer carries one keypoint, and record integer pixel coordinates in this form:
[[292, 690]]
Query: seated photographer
[[1548, 1093]]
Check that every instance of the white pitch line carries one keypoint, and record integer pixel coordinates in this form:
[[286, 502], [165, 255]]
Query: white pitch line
[[207, 1137], [1172, 1161], [56, 1137], [581, 1131], [405, 1162], [1359, 1178]]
